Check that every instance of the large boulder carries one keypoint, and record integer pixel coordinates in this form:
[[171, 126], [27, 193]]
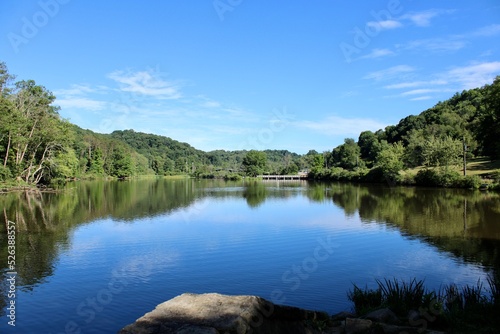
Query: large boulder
[[215, 313]]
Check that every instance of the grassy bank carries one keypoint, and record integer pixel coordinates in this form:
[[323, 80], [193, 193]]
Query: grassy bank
[[468, 309], [481, 173]]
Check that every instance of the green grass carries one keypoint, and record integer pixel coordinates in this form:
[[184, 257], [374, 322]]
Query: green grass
[[468, 309], [478, 166]]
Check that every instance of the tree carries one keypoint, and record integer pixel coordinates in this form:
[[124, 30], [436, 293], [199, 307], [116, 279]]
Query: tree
[[369, 146], [347, 155], [390, 161], [122, 163], [254, 163], [488, 133], [33, 132], [442, 152]]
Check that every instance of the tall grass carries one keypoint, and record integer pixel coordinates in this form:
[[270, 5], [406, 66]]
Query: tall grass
[[467, 309]]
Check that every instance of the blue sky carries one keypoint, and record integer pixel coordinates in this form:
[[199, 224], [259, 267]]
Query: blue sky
[[241, 74]]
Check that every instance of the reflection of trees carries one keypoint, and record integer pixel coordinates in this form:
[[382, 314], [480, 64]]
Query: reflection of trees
[[44, 220], [464, 223], [255, 194]]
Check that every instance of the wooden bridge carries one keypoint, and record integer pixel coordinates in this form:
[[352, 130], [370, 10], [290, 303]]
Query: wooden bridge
[[284, 177]]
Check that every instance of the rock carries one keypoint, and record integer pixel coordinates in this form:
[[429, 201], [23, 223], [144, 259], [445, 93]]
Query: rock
[[353, 326], [342, 316], [383, 315], [215, 313]]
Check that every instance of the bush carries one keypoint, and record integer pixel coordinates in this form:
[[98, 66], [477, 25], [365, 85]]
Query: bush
[[232, 177], [365, 300], [496, 176], [4, 173], [471, 181], [438, 178], [401, 297]]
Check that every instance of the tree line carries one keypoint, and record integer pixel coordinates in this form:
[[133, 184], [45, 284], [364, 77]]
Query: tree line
[[38, 146]]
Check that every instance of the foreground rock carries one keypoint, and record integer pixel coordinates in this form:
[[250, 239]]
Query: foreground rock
[[215, 313]]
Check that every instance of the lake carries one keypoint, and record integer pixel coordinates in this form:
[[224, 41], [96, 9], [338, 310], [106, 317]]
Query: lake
[[99, 255]]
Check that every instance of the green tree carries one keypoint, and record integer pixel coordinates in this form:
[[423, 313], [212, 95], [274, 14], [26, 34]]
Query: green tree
[[390, 161], [369, 146], [347, 155], [122, 163], [442, 152], [254, 163], [488, 132], [33, 132]]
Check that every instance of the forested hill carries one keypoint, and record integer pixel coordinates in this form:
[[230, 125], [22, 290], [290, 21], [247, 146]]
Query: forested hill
[[38, 146], [163, 153]]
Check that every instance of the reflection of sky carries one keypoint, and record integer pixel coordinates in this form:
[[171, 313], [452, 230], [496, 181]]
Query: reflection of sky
[[225, 246]]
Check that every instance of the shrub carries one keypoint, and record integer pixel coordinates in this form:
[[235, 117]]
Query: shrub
[[426, 177], [4, 173], [401, 297], [438, 178], [365, 300], [232, 177], [496, 176], [471, 181]]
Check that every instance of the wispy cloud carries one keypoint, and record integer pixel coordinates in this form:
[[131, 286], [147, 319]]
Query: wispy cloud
[[455, 79], [146, 83], [384, 25], [435, 44], [422, 91], [412, 84], [81, 103], [423, 19], [389, 73], [475, 75], [378, 53], [74, 90], [336, 125], [450, 43], [487, 31]]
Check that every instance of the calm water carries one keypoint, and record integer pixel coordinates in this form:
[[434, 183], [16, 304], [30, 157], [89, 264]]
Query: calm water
[[102, 254]]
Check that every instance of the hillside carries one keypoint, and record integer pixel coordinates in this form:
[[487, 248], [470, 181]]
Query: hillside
[[37, 146]]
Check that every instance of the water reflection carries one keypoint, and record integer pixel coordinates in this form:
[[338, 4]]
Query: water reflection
[[464, 224]]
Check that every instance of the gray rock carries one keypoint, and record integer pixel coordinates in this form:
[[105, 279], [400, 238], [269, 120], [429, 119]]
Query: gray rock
[[342, 316], [383, 315], [215, 313], [353, 326]]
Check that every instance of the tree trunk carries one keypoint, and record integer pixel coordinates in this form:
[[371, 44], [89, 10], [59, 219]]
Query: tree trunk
[[7, 152]]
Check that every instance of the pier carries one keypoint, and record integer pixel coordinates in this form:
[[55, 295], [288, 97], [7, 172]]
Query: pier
[[284, 177]]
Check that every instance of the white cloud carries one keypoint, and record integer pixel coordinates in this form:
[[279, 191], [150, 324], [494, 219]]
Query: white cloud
[[421, 98], [211, 104], [81, 103], [413, 84], [421, 91], [146, 83], [436, 44], [335, 125], [377, 53], [475, 75], [423, 19], [384, 25], [487, 31], [389, 73], [74, 90]]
